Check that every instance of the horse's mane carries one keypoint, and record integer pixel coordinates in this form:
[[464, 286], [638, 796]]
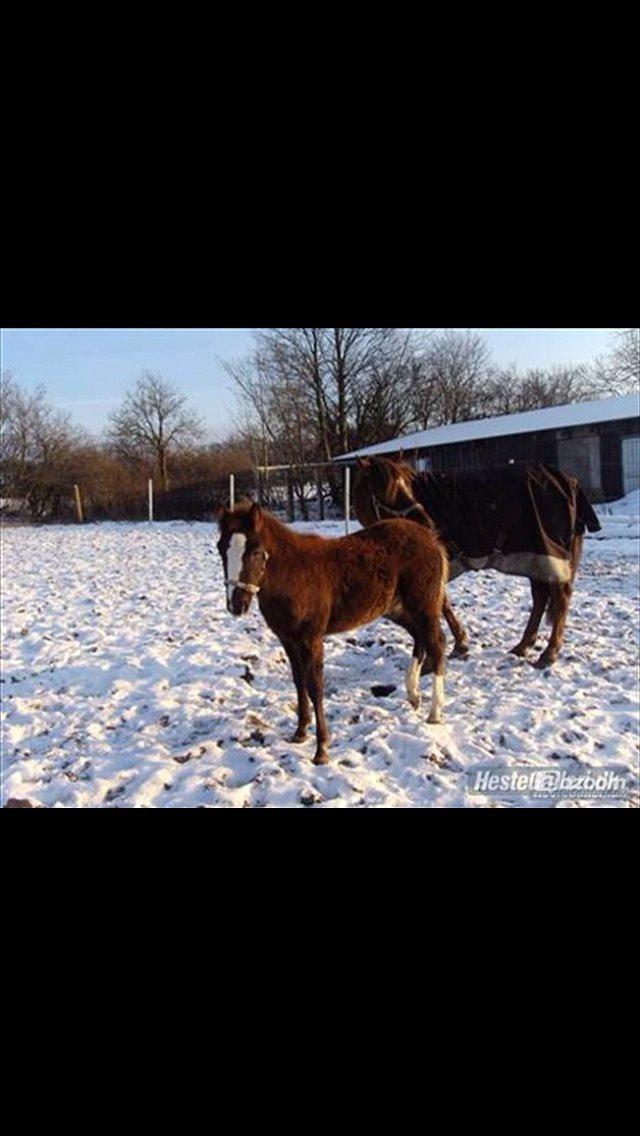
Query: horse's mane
[[386, 474], [279, 529]]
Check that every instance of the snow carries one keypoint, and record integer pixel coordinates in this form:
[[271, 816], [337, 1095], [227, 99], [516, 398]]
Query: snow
[[550, 418], [127, 684]]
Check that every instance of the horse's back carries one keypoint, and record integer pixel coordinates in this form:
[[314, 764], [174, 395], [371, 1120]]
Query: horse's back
[[507, 510]]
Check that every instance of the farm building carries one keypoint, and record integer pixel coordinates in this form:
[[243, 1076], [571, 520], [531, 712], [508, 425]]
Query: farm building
[[598, 442]]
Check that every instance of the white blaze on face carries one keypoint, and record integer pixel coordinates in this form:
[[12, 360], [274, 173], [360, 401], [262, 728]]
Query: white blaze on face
[[235, 552]]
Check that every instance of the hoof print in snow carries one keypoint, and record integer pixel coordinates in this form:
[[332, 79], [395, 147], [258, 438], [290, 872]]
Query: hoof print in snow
[[439, 759], [381, 691], [183, 758], [115, 791], [248, 675], [164, 721], [20, 803], [308, 798], [257, 736]]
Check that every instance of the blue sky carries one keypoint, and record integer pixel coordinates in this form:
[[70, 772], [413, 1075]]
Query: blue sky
[[86, 371]]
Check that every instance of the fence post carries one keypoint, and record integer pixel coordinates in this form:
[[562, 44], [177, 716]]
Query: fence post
[[232, 490], [76, 490], [290, 501], [347, 497], [150, 487], [320, 495], [259, 485]]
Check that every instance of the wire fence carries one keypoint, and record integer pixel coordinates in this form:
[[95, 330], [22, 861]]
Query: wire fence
[[313, 492]]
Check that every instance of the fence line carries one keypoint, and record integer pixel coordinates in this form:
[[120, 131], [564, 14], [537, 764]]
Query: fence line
[[318, 491]]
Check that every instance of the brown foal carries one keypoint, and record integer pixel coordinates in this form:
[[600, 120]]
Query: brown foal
[[309, 587]]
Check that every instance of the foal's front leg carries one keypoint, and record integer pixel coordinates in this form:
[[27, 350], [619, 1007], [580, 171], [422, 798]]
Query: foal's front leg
[[304, 713], [311, 659]]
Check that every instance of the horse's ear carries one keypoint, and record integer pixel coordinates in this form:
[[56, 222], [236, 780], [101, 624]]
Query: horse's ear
[[362, 463], [256, 518]]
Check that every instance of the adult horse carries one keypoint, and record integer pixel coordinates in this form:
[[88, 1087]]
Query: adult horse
[[309, 587], [522, 520]]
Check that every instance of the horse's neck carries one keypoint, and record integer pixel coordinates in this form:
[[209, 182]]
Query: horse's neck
[[282, 543]]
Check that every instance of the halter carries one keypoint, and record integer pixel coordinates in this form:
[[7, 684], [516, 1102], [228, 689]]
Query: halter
[[253, 588], [380, 508]]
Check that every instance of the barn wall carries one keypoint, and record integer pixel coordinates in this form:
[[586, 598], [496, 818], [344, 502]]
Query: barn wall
[[603, 477]]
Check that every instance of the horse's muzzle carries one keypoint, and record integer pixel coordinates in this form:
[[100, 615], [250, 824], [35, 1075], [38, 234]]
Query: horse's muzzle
[[240, 602]]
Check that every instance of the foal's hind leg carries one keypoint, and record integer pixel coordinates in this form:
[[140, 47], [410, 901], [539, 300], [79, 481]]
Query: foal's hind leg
[[540, 593], [558, 610], [461, 649], [428, 641], [435, 648]]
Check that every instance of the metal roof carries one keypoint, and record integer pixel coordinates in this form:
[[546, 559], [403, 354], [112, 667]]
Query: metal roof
[[551, 418]]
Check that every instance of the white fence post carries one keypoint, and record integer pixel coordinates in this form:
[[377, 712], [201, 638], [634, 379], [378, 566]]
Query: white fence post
[[76, 490], [150, 499], [347, 497], [232, 490]]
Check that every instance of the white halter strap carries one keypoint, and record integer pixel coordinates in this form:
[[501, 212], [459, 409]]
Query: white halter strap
[[253, 588]]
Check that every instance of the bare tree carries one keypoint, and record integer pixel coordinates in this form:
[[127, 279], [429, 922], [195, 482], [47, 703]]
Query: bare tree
[[153, 422], [40, 448], [450, 380], [510, 392], [618, 372], [341, 381]]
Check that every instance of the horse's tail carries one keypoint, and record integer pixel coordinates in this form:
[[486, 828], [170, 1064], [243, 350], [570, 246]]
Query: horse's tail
[[585, 515], [443, 573], [558, 593]]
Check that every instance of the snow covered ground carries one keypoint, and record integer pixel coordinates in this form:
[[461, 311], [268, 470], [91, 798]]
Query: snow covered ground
[[126, 684]]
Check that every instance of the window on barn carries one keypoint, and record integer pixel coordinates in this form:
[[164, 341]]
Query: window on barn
[[630, 464], [581, 457]]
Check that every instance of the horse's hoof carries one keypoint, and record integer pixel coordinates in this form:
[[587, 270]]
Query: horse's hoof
[[299, 736], [460, 652], [435, 718], [544, 661], [321, 758], [519, 650]]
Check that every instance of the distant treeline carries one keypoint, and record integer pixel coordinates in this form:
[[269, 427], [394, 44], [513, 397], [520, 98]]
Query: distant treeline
[[306, 395]]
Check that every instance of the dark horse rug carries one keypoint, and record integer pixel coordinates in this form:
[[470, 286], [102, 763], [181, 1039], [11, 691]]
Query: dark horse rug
[[521, 520]]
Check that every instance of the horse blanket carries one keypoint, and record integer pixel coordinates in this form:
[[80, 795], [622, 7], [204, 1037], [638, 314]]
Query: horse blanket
[[521, 520]]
